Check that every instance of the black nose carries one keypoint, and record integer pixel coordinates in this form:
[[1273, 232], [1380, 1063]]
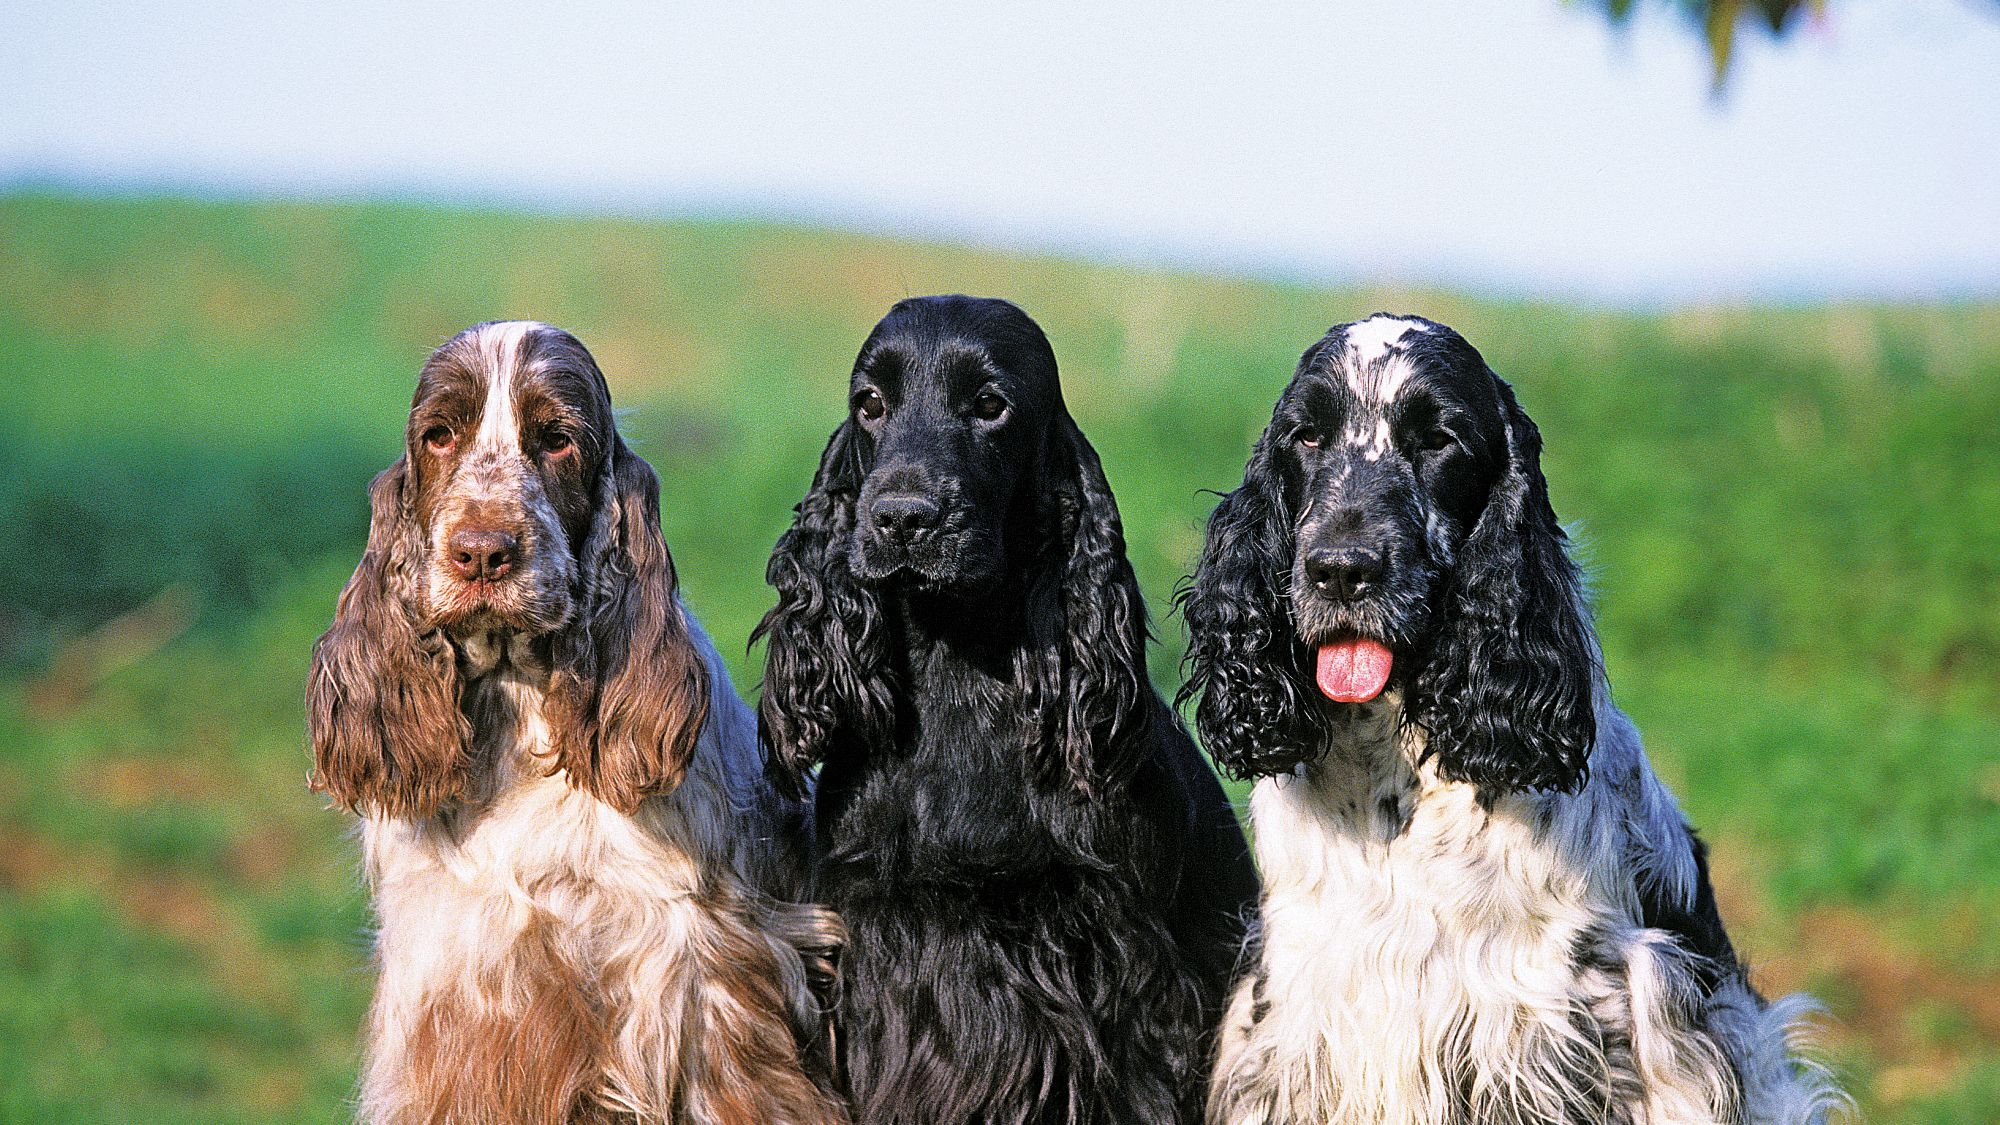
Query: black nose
[[1343, 572], [905, 516], [481, 553]]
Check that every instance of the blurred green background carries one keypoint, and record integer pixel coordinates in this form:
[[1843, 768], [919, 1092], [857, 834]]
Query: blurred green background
[[1792, 516]]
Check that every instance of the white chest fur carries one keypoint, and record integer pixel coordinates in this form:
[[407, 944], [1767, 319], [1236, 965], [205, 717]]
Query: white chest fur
[[526, 847], [531, 931], [1429, 957]]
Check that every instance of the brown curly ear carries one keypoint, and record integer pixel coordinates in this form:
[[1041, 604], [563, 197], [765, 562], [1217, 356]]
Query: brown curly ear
[[629, 694], [388, 737]]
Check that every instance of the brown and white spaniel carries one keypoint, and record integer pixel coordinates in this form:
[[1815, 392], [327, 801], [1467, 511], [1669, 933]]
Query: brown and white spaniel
[[583, 881]]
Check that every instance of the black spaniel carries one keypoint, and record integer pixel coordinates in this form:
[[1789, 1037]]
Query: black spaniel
[[1481, 904], [1044, 886]]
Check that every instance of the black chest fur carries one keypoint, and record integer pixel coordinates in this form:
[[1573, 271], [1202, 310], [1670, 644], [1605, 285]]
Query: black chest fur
[[1011, 955]]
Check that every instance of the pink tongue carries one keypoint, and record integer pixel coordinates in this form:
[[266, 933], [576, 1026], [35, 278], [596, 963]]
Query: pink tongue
[[1353, 671]]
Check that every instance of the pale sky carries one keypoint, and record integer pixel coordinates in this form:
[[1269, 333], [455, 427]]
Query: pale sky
[[1518, 147]]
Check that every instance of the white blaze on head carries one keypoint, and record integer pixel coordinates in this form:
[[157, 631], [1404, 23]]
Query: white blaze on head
[[1368, 431], [1374, 371], [499, 430], [495, 479]]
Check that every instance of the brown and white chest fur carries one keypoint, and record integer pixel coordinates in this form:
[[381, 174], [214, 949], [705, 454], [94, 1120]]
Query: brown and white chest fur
[[545, 957]]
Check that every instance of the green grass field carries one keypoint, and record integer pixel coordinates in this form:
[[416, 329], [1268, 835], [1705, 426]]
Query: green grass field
[[1792, 517]]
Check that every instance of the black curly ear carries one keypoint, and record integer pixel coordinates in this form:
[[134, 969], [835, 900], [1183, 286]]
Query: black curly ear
[[629, 694], [1505, 694], [1090, 684], [826, 670], [382, 710], [1256, 711]]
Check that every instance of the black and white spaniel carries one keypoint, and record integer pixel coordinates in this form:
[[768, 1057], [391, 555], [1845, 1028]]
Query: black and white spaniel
[[1480, 904], [578, 867], [1043, 884]]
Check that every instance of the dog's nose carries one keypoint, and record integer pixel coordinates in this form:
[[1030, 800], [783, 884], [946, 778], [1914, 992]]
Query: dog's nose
[[902, 517], [481, 553], [1343, 572]]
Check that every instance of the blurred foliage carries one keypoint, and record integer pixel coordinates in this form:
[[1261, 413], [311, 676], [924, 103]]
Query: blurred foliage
[[1719, 20], [1792, 517]]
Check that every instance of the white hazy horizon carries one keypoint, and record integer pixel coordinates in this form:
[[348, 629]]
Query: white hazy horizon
[[1533, 151]]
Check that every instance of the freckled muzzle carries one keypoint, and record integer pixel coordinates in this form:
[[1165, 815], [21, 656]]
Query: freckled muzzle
[[499, 556]]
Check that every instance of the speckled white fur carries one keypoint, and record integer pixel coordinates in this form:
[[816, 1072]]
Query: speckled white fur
[[495, 472], [1412, 935], [1375, 371], [633, 897]]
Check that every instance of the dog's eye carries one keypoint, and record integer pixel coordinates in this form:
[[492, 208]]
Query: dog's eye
[[868, 403], [1435, 440], [1308, 437], [556, 441], [440, 439], [989, 406]]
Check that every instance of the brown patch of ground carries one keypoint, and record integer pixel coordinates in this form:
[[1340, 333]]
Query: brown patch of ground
[[639, 359], [850, 279], [26, 864], [212, 299], [162, 901], [1924, 1022], [132, 783], [264, 857], [224, 949], [235, 307], [84, 662]]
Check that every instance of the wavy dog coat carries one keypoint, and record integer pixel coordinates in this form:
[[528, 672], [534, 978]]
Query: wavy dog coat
[[1480, 904], [1043, 883], [579, 872]]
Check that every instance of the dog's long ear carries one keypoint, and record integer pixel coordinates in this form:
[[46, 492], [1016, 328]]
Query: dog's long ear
[[382, 710], [1091, 686], [1506, 693], [826, 670], [629, 694], [1256, 712]]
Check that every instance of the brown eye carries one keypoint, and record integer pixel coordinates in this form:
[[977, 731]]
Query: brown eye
[[556, 441], [1435, 440], [1308, 437], [989, 406], [868, 403], [440, 439]]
